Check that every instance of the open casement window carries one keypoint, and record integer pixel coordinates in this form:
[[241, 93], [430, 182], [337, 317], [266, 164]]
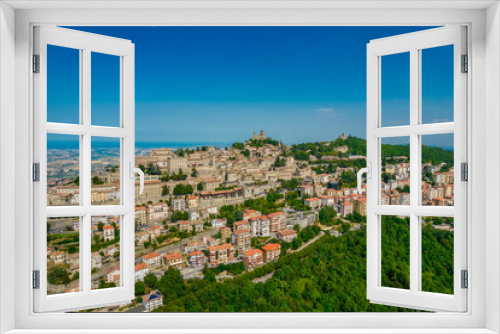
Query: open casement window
[[431, 198], [66, 272]]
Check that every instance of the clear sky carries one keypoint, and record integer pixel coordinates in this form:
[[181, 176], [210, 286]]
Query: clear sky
[[220, 84]]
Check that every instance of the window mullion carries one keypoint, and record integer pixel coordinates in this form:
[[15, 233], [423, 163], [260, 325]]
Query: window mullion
[[414, 170]]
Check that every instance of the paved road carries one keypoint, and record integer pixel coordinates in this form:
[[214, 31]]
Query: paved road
[[264, 278], [309, 242]]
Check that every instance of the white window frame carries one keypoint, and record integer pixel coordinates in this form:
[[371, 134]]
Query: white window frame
[[86, 44], [414, 43], [484, 49]]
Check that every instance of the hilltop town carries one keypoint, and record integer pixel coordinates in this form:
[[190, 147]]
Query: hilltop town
[[216, 213]]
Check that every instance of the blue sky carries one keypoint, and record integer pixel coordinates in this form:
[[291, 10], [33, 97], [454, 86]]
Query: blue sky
[[219, 84]]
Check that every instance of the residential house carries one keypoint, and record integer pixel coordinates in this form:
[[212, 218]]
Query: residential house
[[361, 206], [218, 223], [173, 260], [305, 190], [109, 232], [220, 254], [152, 300], [192, 201], [184, 225], [113, 275], [345, 209], [198, 226], [153, 260], [141, 270], [287, 235]]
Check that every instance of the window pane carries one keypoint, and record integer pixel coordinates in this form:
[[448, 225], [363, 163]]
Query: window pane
[[63, 168], [395, 178], [437, 170], [105, 259], [63, 255], [437, 254], [105, 89], [105, 171], [437, 84], [395, 89], [396, 252], [63, 85]]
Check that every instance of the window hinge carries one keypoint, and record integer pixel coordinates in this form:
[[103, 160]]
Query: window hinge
[[465, 64], [36, 172], [465, 279], [36, 279], [464, 172], [36, 63]]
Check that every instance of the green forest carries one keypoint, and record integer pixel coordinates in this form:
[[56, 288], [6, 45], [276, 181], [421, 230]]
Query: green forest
[[327, 276]]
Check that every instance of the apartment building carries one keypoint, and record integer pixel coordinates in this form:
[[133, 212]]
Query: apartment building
[[259, 226], [218, 223], [220, 198], [184, 225], [157, 211], [196, 258], [140, 216], [241, 225], [271, 252], [220, 254], [176, 164], [277, 221], [361, 206], [152, 189], [178, 204], [242, 240], [225, 232], [253, 258], [313, 203], [345, 209]]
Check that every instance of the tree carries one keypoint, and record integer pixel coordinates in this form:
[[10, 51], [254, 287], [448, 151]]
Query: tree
[[296, 227], [194, 173], [183, 189], [58, 275], [200, 186], [95, 180], [140, 288], [239, 146], [164, 191], [326, 215], [150, 280], [100, 227], [77, 181], [238, 215]]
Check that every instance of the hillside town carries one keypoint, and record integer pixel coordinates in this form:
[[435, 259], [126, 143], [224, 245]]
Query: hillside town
[[222, 210]]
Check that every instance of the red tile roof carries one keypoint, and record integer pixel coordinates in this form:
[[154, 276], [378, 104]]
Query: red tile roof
[[151, 255]]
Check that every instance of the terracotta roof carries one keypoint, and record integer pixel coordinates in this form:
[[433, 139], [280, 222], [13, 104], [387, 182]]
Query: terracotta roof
[[253, 252], [183, 222], [269, 247], [151, 255], [195, 253], [108, 227], [241, 222], [173, 256], [241, 232], [287, 233], [220, 247], [141, 266]]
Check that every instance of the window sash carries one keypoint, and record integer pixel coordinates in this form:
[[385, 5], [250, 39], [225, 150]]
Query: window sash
[[413, 43], [86, 43]]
